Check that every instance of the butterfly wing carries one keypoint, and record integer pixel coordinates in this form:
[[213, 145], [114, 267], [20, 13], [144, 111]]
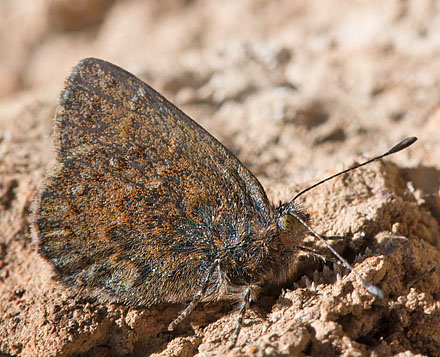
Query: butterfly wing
[[142, 200]]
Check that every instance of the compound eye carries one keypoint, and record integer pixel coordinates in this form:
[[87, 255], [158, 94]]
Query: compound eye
[[289, 223]]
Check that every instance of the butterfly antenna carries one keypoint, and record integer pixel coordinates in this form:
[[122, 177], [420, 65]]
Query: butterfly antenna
[[372, 289], [396, 148]]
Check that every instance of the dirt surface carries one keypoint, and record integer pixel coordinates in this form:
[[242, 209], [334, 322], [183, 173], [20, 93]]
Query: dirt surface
[[297, 90]]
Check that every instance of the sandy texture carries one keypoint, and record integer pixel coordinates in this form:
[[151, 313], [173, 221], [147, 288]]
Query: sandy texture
[[297, 90]]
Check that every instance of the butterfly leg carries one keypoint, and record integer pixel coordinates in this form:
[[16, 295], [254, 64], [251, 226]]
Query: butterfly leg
[[318, 255], [243, 306], [195, 300], [334, 237]]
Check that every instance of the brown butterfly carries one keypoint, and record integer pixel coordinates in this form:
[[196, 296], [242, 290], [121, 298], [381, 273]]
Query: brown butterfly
[[144, 206]]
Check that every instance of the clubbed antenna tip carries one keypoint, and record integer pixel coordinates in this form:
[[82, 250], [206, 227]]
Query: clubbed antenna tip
[[402, 145]]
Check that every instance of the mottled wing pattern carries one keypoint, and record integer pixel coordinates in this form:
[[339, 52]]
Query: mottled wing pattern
[[142, 200]]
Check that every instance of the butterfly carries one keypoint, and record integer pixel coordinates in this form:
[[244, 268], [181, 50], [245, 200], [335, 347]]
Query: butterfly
[[143, 206]]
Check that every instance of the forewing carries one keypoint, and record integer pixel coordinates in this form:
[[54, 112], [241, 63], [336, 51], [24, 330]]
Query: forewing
[[104, 104]]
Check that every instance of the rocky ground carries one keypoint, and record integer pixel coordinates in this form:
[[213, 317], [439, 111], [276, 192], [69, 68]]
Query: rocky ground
[[297, 90]]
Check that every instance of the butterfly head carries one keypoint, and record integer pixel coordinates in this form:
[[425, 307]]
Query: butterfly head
[[290, 218]]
